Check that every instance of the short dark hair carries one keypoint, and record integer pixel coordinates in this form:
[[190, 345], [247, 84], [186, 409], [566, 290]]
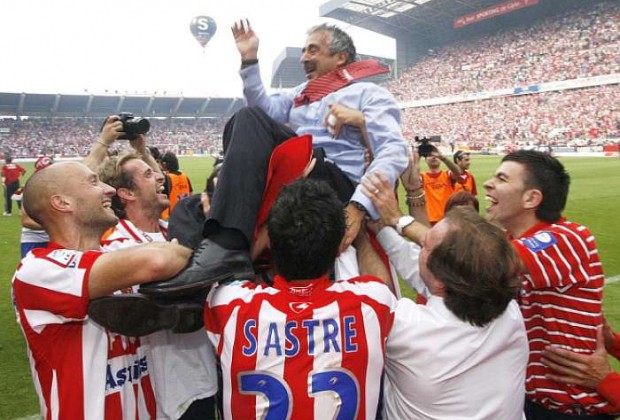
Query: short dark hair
[[477, 265], [306, 225], [460, 154], [340, 41], [547, 174], [170, 161]]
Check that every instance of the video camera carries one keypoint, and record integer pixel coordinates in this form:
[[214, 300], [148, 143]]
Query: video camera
[[132, 126], [425, 148]]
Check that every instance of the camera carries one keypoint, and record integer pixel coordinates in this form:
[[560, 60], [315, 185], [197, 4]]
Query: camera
[[132, 126], [425, 148]]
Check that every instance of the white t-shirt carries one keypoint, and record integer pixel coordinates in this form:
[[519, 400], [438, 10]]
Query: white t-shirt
[[439, 367], [183, 367]]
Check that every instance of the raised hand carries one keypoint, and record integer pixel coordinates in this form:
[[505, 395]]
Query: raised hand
[[246, 39]]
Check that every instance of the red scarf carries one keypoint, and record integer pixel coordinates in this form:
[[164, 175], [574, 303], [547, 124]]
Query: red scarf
[[338, 78]]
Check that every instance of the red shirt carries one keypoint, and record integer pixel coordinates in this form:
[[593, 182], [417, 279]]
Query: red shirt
[[561, 304], [11, 173], [306, 349]]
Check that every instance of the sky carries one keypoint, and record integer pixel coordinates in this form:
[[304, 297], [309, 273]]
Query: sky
[[145, 46]]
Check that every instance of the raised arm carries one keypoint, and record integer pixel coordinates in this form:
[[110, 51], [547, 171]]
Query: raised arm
[[112, 129], [133, 266]]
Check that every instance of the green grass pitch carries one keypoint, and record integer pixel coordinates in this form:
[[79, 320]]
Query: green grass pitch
[[593, 201]]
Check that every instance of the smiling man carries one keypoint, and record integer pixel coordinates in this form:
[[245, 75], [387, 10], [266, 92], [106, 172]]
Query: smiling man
[[562, 283], [346, 115], [80, 369]]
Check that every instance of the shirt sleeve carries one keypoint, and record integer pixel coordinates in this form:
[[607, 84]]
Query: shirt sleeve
[[51, 287], [404, 255], [276, 106], [553, 260], [610, 390], [390, 154]]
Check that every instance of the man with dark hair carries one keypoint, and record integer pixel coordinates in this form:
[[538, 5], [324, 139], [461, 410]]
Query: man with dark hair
[[466, 181], [308, 346], [180, 184], [80, 369], [469, 302], [563, 279]]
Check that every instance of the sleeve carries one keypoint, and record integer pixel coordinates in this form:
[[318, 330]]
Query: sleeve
[[554, 260], [276, 106], [404, 256], [51, 287], [222, 302], [391, 157], [610, 390]]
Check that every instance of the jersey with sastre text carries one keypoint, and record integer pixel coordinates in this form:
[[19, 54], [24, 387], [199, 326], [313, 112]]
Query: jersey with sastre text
[[80, 370], [304, 349], [561, 302]]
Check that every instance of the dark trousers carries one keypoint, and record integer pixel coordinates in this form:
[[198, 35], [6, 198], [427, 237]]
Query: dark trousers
[[250, 137], [10, 190], [200, 410], [535, 411]]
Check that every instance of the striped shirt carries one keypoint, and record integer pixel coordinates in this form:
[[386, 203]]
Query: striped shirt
[[561, 304], [304, 349], [80, 370]]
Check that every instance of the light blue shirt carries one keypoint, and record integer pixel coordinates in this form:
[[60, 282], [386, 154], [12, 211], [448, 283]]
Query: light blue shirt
[[382, 117]]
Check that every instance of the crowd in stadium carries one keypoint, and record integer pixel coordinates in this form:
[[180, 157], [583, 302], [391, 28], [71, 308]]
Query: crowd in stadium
[[72, 137], [581, 43], [582, 117], [276, 292]]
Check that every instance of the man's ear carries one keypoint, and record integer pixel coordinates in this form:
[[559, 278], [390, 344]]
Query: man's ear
[[125, 194], [532, 198], [342, 58], [61, 203]]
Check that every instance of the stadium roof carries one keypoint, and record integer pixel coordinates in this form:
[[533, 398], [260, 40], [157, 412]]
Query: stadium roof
[[72, 105], [429, 19], [288, 72], [424, 18]]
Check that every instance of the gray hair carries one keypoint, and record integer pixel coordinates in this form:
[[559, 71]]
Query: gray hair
[[340, 40]]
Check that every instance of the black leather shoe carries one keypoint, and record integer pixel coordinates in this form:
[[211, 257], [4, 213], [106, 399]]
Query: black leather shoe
[[209, 264], [136, 315], [191, 318], [133, 315]]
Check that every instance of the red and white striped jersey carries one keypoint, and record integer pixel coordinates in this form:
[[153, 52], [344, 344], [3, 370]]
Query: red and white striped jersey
[[80, 370], [304, 349], [561, 302]]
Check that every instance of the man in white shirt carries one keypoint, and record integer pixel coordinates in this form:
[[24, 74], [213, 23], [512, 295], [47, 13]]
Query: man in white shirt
[[464, 353]]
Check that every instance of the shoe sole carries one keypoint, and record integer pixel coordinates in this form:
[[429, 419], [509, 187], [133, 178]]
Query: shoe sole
[[191, 318], [132, 315], [183, 290]]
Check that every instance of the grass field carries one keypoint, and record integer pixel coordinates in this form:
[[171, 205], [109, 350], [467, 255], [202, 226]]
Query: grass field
[[593, 202]]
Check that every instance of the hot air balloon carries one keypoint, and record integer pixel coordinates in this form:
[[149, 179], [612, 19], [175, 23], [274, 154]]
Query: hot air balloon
[[203, 28]]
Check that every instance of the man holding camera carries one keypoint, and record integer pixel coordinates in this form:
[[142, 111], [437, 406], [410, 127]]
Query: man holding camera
[[438, 184]]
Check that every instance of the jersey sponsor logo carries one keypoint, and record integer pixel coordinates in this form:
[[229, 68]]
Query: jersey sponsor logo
[[298, 307], [117, 376], [62, 257], [284, 340], [540, 241]]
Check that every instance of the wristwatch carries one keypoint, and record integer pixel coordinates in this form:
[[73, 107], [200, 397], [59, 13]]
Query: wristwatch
[[403, 222]]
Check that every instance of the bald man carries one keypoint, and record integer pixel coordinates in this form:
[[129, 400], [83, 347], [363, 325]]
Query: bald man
[[81, 369]]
